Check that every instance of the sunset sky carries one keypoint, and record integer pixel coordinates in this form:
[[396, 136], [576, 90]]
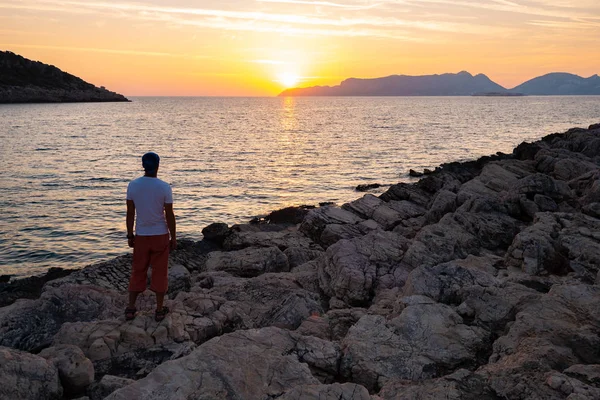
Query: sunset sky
[[259, 47]]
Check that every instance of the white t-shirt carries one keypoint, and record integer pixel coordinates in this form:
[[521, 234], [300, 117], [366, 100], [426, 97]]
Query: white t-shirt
[[150, 196]]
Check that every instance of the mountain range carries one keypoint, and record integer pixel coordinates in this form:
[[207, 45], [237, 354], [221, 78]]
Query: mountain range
[[26, 81], [460, 84]]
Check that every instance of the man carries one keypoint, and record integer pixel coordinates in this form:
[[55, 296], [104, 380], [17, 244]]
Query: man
[[150, 203]]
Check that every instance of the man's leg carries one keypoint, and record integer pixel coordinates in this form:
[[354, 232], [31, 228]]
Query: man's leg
[[139, 269], [160, 299], [159, 258], [132, 299]]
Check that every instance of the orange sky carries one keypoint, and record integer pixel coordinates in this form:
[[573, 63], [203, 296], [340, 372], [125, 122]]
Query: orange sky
[[257, 47]]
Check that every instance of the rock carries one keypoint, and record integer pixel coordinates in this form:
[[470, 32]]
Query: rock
[[113, 274], [336, 391], [31, 324], [526, 151], [404, 191], [550, 334], [281, 240], [316, 220], [271, 299], [340, 321], [107, 385], [460, 385], [446, 282], [544, 185], [27, 376], [368, 186], [425, 341], [237, 365], [28, 288], [315, 326], [592, 209], [299, 255], [589, 374], [248, 262], [558, 243], [288, 215], [414, 174], [216, 232], [76, 372], [336, 232], [192, 255], [444, 202], [574, 388], [179, 279], [351, 270]]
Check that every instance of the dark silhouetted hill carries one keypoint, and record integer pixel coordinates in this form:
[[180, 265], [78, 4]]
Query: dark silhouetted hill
[[560, 83], [26, 81], [461, 84]]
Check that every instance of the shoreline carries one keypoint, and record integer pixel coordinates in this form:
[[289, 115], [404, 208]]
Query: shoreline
[[481, 279]]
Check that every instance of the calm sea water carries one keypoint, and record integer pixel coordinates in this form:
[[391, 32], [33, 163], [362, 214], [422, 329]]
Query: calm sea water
[[65, 167]]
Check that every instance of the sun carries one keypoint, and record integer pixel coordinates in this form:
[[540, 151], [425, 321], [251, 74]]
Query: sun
[[288, 79]]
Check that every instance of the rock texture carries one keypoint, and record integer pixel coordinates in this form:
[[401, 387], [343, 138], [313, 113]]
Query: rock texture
[[479, 281], [26, 81]]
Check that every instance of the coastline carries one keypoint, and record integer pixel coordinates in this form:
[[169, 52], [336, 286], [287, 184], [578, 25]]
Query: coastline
[[459, 268]]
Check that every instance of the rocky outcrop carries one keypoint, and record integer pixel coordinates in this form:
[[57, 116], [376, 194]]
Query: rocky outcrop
[[479, 281], [26, 81]]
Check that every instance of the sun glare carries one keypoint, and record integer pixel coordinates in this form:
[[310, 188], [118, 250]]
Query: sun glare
[[288, 79]]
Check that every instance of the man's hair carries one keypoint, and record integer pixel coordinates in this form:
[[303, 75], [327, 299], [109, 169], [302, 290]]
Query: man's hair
[[150, 162]]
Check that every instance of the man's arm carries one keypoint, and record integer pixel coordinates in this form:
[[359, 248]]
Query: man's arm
[[170, 216], [129, 220]]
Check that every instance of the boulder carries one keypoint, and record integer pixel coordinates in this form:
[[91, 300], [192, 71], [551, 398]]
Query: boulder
[[26, 376], [316, 220], [248, 262], [251, 364], [216, 232], [351, 270], [76, 372], [425, 341]]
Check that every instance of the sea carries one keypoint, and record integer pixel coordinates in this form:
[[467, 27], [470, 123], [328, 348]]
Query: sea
[[64, 168]]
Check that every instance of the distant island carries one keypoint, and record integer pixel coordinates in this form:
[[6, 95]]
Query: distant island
[[460, 84], [26, 81]]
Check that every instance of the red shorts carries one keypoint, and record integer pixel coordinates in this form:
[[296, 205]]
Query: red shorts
[[150, 250]]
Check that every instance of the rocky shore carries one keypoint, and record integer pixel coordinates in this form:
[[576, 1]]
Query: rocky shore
[[480, 281]]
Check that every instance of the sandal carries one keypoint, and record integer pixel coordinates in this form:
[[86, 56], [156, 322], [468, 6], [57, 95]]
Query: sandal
[[160, 315], [130, 313]]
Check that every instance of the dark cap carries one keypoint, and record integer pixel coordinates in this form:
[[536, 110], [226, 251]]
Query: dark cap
[[150, 161]]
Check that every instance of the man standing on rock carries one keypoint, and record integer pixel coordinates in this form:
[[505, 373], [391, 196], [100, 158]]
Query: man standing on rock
[[150, 204]]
